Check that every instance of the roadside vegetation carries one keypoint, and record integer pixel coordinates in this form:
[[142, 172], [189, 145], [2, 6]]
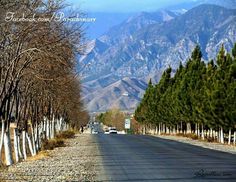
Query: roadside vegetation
[[58, 141], [39, 87], [199, 100], [116, 118]]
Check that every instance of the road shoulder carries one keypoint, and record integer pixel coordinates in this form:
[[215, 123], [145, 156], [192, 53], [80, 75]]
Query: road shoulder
[[214, 146], [75, 162]]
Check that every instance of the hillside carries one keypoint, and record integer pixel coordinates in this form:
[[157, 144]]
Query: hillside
[[146, 44]]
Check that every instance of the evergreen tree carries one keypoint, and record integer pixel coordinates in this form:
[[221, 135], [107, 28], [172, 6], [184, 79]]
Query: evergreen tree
[[197, 54], [164, 106], [234, 51], [208, 88], [198, 94], [141, 113]]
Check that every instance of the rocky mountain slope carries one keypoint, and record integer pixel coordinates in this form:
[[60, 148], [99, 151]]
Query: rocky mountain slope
[[146, 44], [124, 94]]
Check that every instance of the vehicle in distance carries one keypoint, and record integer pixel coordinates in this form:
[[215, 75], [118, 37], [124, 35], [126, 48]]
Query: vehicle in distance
[[106, 131], [112, 130], [94, 132]]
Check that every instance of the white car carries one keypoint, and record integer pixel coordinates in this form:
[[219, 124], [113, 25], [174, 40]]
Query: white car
[[112, 131], [94, 132], [106, 132]]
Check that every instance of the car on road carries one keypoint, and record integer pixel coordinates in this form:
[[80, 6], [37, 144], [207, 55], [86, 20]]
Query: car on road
[[106, 131], [112, 131], [94, 132]]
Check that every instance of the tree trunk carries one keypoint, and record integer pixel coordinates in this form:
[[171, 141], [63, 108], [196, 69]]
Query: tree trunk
[[218, 135], [229, 138], [211, 133], [40, 135], [36, 129], [163, 128], [181, 127], [159, 129], [234, 137], [19, 149], [196, 126], [167, 130], [174, 130], [37, 142], [47, 129], [7, 148], [188, 128], [30, 145], [203, 137], [44, 128], [24, 144], [53, 128], [221, 135], [60, 124], [198, 131], [16, 150], [33, 141], [66, 127], [1, 140], [215, 134], [156, 130]]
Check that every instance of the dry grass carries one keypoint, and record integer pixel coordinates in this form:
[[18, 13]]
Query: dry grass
[[66, 134], [211, 139], [192, 136], [59, 141], [39, 156], [52, 143], [1, 167], [195, 137], [189, 135]]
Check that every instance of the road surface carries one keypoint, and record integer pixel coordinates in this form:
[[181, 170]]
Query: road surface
[[147, 158]]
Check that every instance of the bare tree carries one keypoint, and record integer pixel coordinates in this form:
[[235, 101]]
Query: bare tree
[[38, 88]]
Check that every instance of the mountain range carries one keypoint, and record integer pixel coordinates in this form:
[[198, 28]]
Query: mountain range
[[123, 60]]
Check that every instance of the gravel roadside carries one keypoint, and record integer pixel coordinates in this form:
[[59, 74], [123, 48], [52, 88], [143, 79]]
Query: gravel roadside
[[215, 146], [78, 161]]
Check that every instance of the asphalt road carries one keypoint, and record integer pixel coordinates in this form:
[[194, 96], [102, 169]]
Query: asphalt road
[[147, 158]]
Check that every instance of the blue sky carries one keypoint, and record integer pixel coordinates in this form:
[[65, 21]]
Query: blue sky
[[112, 12], [123, 5]]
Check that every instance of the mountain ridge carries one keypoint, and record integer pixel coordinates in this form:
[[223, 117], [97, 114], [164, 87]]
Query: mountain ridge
[[145, 53]]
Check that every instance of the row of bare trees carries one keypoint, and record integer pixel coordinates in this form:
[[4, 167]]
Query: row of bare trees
[[39, 89]]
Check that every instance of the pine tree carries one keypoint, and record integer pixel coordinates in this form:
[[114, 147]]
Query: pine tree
[[220, 88], [197, 54], [160, 90], [208, 88], [141, 113], [234, 51], [198, 94]]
